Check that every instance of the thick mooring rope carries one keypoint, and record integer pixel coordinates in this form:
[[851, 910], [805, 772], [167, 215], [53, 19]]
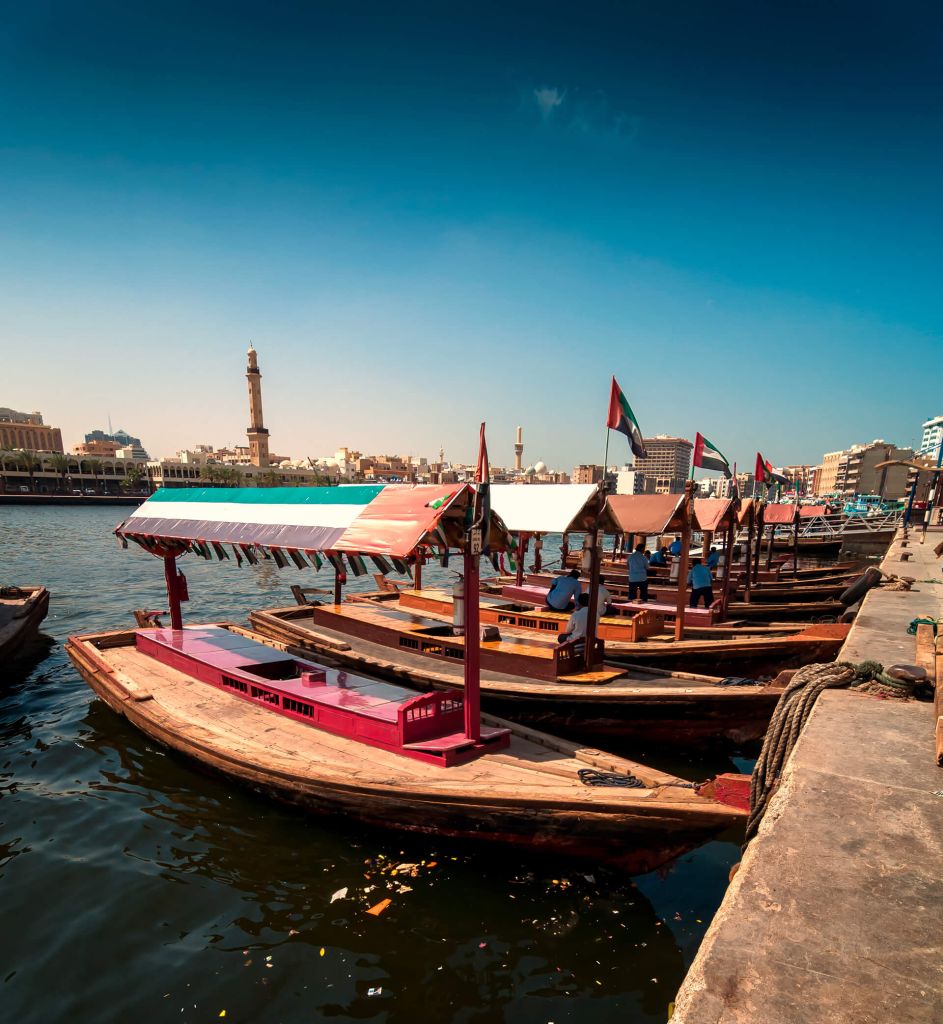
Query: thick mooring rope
[[792, 712]]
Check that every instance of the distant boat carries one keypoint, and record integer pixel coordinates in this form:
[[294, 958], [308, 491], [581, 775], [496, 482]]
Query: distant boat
[[22, 609]]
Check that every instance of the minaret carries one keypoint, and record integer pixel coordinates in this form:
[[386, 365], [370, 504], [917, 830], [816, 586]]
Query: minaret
[[258, 435], [518, 449]]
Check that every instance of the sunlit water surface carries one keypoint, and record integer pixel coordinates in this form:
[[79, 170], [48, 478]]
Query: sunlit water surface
[[136, 887]]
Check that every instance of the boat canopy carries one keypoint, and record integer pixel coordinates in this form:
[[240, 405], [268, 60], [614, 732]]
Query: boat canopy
[[806, 511], [780, 515], [361, 519], [551, 508], [647, 513], [711, 514], [748, 507]]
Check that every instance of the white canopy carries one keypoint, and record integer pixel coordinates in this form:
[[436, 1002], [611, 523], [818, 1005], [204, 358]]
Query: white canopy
[[547, 508]]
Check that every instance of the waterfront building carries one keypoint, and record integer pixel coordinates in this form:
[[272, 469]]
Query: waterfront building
[[97, 449], [629, 481], [857, 470], [932, 439], [27, 432], [827, 473], [583, 474], [667, 464], [120, 437]]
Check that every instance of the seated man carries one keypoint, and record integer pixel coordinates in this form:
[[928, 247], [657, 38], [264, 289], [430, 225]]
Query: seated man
[[576, 627], [675, 548], [605, 599], [700, 579], [638, 574], [660, 557], [713, 559], [564, 591]]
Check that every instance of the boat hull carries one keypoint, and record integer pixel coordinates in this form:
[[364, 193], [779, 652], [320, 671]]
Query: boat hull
[[635, 833], [20, 631]]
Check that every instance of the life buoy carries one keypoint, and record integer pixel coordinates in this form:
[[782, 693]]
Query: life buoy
[[871, 577]]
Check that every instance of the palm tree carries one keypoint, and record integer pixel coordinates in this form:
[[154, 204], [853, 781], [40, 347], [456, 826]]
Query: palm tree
[[26, 460], [60, 463], [269, 478], [133, 478]]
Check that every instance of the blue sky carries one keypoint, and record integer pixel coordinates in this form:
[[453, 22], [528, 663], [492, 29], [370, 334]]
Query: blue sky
[[424, 217]]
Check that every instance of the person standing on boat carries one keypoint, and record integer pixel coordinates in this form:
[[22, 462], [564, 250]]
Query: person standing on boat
[[638, 574], [713, 559], [563, 593], [700, 579], [675, 548]]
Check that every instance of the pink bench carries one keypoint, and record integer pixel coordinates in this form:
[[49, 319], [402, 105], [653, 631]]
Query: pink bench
[[537, 596]]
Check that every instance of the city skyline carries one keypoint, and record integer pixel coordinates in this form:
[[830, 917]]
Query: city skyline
[[433, 219]]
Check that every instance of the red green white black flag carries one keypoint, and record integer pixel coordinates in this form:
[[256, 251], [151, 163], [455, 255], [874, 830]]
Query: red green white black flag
[[709, 456], [622, 418]]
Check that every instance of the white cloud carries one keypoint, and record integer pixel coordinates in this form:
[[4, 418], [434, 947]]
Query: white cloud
[[548, 100]]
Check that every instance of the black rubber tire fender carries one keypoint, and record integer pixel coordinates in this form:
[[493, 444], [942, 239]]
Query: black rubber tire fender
[[871, 577]]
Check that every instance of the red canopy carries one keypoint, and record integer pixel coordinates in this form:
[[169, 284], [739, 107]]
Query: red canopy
[[647, 513], [812, 510], [780, 515], [712, 513]]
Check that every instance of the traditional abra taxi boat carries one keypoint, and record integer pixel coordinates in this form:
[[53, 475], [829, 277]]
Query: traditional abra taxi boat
[[22, 609], [331, 740]]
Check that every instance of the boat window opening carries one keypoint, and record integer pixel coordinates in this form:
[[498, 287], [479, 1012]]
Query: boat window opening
[[299, 707], [235, 684], [528, 623], [431, 648], [405, 641], [286, 669], [264, 695], [551, 627], [454, 652]]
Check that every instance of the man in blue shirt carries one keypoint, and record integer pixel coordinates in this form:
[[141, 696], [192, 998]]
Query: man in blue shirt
[[713, 559], [638, 574], [700, 579], [564, 592], [675, 548], [660, 557]]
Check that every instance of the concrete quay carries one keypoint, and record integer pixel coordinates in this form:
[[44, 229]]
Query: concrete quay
[[836, 913]]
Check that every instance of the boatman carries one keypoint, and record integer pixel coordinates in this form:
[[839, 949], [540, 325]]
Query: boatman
[[562, 595], [638, 574], [660, 557], [675, 548], [713, 559], [700, 580]]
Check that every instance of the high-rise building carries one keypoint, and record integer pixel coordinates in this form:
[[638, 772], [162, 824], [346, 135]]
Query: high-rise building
[[26, 431], [827, 473], [628, 481], [257, 434], [120, 437], [666, 465], [932, 438], [859, 470]]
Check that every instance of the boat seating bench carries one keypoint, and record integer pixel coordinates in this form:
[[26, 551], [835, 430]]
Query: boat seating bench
[[426, 726]]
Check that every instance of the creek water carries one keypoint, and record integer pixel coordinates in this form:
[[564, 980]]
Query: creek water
[[136, 887]]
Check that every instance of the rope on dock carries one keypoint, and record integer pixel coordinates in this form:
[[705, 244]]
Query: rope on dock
[[792, 712]]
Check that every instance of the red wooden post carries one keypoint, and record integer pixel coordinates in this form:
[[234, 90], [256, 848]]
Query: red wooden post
[[769, 547], [795, 544], [728, 563], [751, 515], [472, 646], [173, 591], [589, 651], [522, 539], [417, 570], [340, 578], [685, 558], [759, 544], [564, 550]]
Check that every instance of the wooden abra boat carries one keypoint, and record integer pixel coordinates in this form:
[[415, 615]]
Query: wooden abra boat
[[525, 678], [527, 791], [335, 741], [22, 609]]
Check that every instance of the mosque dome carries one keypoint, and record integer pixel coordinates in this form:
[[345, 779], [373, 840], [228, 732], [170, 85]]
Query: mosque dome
[[540, 467], [529, 471]]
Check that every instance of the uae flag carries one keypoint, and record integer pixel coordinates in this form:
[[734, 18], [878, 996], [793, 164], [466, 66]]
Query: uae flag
[[709, 456], [622, 418], [763, 474]]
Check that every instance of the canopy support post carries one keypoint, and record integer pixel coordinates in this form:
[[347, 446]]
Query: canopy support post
[[594, 572], [340, 578], [417, 570], [472, 645], [522, 539], [751, 516], [795, 546], [685, 559], [728, 564], [759, 545], [173, 591], [769, 546]]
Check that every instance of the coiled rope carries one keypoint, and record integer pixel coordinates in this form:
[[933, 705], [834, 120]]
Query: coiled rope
[[792, 712]]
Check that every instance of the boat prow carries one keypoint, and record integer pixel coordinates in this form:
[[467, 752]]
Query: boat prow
[[22, 609], [529, 793]]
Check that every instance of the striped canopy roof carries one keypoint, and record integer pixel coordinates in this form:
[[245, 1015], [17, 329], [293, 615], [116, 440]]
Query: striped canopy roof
[[367, 519]]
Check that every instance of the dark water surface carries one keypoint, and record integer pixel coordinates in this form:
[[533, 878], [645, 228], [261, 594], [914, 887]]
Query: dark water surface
[[135, 887]]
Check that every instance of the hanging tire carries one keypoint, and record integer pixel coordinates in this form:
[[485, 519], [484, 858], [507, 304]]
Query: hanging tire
[[871, 577]]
